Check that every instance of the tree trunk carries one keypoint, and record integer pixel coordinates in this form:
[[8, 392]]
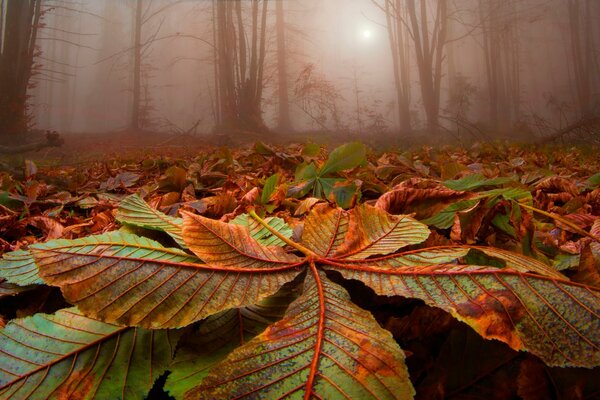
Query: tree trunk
[[16, 62], [137, 67], [217, 101], [398, 47], [582, 53], [498, 19], [429, 49], [228, 105], [284, 123], [241, 74]]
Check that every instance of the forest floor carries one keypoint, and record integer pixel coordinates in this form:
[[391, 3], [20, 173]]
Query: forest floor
[[467, 196]]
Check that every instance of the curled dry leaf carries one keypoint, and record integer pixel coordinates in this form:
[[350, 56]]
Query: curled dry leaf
[[423, 202], [557, 184], [52, 229]]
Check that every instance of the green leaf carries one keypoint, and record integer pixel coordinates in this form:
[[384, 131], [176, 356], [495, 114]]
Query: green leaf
[[594, 180], [566, 261], [445, 218], [68, 355], [346, 156], [8, 200], [305, 171], [269, 188], [502, 222], [475, 181], [324, 186], [19, 267], [344, 195], [324, 347], [133, 210], [513, 193], [311, 150], [262, 234], [263, 149], [308, 178]]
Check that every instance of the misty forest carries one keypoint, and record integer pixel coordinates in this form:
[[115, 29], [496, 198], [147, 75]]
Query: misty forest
[[300, 199]]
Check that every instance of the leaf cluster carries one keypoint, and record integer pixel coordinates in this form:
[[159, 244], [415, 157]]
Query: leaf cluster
[[453, 247], [264, 317]]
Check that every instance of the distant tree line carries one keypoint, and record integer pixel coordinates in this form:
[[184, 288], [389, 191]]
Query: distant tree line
[[249, 42]]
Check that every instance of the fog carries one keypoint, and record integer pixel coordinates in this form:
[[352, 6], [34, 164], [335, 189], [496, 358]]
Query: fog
[[465, 67]]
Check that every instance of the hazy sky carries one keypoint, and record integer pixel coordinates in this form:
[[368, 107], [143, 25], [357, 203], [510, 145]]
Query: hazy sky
[[88, 87]]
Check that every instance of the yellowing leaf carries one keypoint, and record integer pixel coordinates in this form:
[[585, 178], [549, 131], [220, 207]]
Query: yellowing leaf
[[325, 229], [230, 246], [130, 280], [68, 355], [373, 231], [262, 234], [324, 347], [218, 335], [133, 210], [557, 320]]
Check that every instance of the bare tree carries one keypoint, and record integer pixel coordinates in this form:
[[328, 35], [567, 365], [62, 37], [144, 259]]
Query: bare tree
[[499, 24], [583, 54], [17, 52], [240, 63], [398, 35], [284, 123], [143, 13], [425, 23], [429, 39]]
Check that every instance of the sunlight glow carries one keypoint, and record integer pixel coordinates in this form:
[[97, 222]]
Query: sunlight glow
[[366, 34]]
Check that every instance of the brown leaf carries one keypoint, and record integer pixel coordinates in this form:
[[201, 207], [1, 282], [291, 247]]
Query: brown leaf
[[305, 206], [52, 229], [588, 271], [593, 199], [557, 184], [425, 202], [251, 197], [219, 205]]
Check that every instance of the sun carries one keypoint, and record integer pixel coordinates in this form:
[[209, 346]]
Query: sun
[[366, 34]]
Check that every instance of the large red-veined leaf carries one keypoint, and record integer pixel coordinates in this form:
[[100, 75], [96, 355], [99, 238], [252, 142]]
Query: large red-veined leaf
[[133, 210], [230, 246], [325, 229], [447, 254], [18, 267], [555, 319], [68, 355], [219, 334], [372, 231], [325, 347], [131, 280]]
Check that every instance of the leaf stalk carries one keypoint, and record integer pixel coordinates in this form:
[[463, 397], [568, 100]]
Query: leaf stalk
[[307, 252]]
